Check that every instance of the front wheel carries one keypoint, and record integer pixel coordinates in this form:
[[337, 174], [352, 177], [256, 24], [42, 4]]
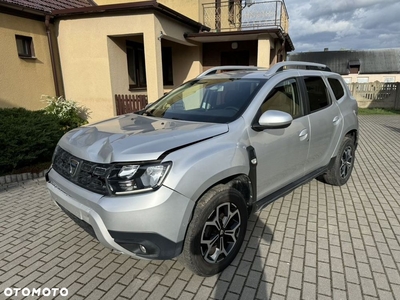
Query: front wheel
[[216, 232], [339, 173]]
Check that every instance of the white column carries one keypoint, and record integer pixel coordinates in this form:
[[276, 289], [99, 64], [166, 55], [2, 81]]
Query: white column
[[153, 58], [263, 51]]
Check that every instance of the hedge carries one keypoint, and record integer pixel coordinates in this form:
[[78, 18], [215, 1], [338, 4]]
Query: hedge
[[27, 137]]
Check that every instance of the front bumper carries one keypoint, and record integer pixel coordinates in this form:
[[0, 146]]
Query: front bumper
[[155, 220]]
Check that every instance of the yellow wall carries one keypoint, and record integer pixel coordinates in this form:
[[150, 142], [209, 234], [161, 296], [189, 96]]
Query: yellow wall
[[94, 63], [23, 81], [190, 8]]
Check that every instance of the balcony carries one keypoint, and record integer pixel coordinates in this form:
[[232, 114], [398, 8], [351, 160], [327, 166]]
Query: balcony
[[240, 15]]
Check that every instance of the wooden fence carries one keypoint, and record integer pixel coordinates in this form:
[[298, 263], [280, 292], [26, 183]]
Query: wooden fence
[[130, 103]]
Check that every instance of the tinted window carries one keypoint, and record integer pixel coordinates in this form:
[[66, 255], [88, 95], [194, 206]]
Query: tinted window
[[337, 88], [317, 93], [284, 97]]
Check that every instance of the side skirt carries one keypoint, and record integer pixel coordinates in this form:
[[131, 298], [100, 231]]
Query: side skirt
[[260, 204]]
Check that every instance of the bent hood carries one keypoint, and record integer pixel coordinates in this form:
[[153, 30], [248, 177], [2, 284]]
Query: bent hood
[[135, 138]]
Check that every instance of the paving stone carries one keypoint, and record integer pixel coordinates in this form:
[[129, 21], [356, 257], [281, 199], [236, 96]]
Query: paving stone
[[318, 242]]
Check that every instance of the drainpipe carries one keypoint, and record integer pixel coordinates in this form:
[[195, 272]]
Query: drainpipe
[[53, 61], [280, 50]]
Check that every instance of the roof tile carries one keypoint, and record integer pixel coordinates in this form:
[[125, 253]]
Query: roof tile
[[50, 5]]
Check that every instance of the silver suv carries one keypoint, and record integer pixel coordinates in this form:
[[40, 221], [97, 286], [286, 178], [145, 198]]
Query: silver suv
[[181, 177]]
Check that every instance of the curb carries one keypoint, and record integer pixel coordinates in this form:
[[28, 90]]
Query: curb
[[21, 177]]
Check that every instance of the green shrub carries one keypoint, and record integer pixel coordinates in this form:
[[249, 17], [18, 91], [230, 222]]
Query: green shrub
[[70, 114], [27, 137]]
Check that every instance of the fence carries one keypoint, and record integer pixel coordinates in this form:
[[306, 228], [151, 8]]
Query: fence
[[130, 103], [376, 94]]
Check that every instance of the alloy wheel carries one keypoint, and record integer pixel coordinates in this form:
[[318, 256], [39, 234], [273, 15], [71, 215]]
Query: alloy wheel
[[220, 232], [346, 162]]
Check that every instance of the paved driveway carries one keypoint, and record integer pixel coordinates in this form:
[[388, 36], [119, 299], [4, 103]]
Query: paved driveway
[[319, 242]]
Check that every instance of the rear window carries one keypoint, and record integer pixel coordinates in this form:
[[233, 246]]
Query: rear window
[[337, 88]]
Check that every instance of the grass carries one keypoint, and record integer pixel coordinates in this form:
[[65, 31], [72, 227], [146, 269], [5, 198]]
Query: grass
[[378, 111]]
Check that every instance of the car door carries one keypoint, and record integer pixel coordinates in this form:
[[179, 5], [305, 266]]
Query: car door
[[281, 153], [326, 123]]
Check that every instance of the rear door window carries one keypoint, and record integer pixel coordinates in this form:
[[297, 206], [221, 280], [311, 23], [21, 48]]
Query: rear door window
[[317, 92]]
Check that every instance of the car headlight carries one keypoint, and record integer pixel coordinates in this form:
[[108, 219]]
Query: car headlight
[[126, 179]]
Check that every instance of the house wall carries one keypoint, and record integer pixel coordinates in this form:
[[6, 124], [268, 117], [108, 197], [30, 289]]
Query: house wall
[[24, 80], [94, 63], [191, 8]]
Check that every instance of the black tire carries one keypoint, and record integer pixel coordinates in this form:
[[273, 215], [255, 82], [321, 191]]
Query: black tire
[[339, 173], [208, 259]]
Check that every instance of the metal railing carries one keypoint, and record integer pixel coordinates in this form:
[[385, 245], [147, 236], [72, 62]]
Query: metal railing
[[238, 15]]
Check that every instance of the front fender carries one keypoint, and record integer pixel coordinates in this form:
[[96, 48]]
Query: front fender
[[198, 167]]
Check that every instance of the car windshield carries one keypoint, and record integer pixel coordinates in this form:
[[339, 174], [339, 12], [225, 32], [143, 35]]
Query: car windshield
[[220, 100]]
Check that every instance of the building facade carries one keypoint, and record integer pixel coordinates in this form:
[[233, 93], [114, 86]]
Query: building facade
[[358, 66], [29, 65], [110, 47]]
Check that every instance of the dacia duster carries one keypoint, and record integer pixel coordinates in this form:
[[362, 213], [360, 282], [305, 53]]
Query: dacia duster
[[181, 177]]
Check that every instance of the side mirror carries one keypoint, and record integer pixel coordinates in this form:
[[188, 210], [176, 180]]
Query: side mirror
[[273, 119]]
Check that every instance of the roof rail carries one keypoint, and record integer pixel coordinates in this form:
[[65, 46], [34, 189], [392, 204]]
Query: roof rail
[[228, 68], [307, 65]]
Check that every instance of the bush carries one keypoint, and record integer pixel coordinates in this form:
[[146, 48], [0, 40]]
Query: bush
[[27, 137], [70, 114]]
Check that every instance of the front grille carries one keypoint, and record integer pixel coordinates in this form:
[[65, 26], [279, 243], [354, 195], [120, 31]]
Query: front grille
[[89, 175], [85, 226]]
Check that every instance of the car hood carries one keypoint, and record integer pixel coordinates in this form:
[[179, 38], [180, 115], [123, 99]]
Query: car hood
[[135, 138]]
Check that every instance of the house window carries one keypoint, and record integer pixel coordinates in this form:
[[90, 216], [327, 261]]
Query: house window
[[168, 78], [388, 79], [354, 66], [24, 46], [362, 79], [347, 80], [137, 65]]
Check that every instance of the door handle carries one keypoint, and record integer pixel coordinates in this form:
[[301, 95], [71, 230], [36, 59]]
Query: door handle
[[303, 134], [336, 119]]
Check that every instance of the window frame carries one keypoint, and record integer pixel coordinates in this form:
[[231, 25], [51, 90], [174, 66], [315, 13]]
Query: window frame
[[306, 98], [28, 48], [300, 95], [136, 59]]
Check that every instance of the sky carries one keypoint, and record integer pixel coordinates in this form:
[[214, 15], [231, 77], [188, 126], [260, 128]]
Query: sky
[[344, 24]]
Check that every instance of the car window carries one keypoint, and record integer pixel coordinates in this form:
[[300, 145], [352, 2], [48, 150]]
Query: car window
[[317, 93], [217, 100], [284, 97], [337, 88]]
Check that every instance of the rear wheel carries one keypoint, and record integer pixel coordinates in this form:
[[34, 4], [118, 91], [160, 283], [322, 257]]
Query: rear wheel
[[216, 232], [340, 171]]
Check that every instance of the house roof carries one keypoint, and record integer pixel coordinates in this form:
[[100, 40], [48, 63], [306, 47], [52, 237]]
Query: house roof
[[382, 61], [48, 6]]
